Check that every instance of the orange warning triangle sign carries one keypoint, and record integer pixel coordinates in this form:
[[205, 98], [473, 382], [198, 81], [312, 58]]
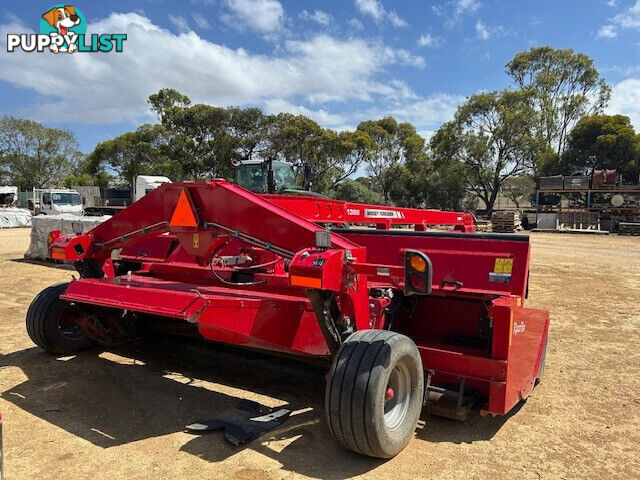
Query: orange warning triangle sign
[[183, 215]]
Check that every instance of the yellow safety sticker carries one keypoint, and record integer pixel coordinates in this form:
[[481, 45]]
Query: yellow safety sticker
[[196, 240], [503, 265]]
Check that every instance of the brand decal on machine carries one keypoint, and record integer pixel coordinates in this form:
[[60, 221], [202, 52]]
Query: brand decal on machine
[[379, 213], [353, 211], [519, 327]]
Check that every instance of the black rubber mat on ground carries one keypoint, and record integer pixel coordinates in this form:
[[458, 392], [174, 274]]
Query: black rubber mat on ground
[[247, 421]]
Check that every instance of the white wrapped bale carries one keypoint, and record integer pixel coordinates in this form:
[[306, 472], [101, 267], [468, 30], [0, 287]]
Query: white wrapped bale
[[42, 225], [13, 217]]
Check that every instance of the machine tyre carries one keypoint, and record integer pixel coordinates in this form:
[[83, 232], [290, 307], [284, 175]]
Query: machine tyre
[[359, 412], [49, 324]]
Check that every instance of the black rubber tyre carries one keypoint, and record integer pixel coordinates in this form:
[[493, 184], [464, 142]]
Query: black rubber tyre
[[49, 325], [359, 414]]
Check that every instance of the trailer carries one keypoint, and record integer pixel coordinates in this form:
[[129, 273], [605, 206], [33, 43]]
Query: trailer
[[401, 318]]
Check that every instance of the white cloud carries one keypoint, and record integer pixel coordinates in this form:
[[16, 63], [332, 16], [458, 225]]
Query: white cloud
[[429, 40], [260, 16], [427, 114], [114, 87], [607, 31], [376, 10], [625, 100], [371, 7], [318, 16], [430, 111], [407, 58], [628, 19], [200, 20], [324, 118], [396, 21], [179, 22], [355, 24], [482, 31], [465, 7], [454, 11], [535, 21]]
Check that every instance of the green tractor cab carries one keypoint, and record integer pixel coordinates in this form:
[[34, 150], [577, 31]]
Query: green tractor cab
[[270, 176]]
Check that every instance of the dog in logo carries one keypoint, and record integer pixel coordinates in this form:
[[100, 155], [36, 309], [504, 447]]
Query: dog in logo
[[62, 19]]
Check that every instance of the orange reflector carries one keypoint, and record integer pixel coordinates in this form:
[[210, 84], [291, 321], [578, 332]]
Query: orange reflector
[[183, 215], [306, 281], [58, 254], [418, 263]]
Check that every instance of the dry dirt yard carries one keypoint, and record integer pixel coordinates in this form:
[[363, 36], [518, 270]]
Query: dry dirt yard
[[119, 414]]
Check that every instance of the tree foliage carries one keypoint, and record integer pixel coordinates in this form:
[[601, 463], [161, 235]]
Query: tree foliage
[[565, 85], [603, 141], [142, 151], [490, 138], [358, 190], [393, 144], [34, 155], [519, 189]]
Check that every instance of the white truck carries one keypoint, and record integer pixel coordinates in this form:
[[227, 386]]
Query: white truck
[[54, 201], [147, 183], [8, 195]]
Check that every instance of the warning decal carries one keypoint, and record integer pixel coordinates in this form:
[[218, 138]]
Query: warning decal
[[503, 265], [183, 215], [501, 270]]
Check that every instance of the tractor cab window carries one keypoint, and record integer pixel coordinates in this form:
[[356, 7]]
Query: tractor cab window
[[66, 199], [284, 176], [253, 177]]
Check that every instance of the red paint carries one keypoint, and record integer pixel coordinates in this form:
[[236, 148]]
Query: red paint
[[389, 394]]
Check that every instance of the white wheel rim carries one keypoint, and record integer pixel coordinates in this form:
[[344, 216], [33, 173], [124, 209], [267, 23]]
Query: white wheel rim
[[395, 409]]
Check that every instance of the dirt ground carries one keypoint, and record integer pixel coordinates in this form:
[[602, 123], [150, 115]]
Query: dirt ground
[[120, 414]]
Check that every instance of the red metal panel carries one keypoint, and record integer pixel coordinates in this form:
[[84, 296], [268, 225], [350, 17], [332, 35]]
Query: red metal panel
[[327, 210], [217, 202], [469, 258], [518, 336], [459, 364], [278, 322]]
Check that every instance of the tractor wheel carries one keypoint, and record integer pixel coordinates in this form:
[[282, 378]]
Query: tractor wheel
[[51, 324], [374, 393]]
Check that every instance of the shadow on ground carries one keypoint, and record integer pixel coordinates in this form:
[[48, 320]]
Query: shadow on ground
[[152, 392], [45, 263]]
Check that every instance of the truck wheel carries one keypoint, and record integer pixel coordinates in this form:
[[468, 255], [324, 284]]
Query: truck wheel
[[51, 323], [374, 393]]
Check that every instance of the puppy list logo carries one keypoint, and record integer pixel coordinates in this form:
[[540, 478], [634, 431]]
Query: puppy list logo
[[63, 29]]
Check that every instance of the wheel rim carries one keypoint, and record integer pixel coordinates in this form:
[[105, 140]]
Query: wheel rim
[[68, 325], [395, 408]]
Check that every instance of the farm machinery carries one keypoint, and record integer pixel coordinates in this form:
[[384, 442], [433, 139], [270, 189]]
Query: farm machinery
[[403, 318]]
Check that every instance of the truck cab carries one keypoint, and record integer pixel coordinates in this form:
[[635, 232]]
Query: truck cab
[[146, 184], [56, 201]]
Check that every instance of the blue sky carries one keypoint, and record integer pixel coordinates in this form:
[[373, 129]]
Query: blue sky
[[339, 62]]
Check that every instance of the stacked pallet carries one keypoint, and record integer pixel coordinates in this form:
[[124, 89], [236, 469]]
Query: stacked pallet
[[505, 222], [629, 228]]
